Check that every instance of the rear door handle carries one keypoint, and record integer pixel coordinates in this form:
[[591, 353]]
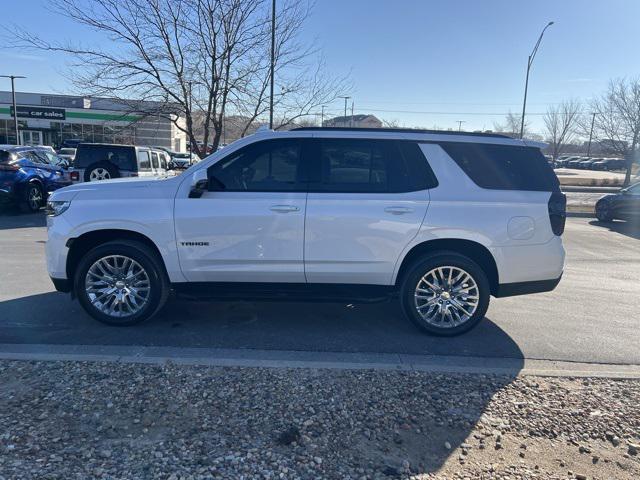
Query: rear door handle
[[398, 210], [284, 208]]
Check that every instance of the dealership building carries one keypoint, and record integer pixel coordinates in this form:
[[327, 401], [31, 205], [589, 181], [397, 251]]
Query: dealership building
[[48, 119]]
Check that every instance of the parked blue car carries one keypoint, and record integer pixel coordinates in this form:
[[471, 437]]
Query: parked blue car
[[28, 174]]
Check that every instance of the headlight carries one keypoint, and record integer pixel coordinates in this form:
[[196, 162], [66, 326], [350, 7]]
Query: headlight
[[56, 208]]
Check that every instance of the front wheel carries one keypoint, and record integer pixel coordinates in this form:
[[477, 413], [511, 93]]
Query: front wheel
[[603, 212], [121, 283], [445, 294]]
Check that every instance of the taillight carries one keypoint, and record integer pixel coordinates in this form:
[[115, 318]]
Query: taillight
[[74, 176], [9, 167], [557, 212]]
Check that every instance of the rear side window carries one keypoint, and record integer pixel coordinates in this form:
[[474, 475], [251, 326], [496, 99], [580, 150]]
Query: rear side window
[[504, 167], [369, 166], [144, 161], [154, 160], [122, 157]]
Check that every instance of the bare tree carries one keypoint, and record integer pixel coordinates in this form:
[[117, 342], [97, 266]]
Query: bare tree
[[511, 125], [616, 123], [391, 123], [194, 61], [561, 123]]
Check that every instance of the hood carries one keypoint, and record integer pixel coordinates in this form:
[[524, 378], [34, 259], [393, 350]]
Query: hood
[[121, 187]]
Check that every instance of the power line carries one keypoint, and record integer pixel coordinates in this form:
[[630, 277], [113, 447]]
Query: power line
[[363, 108]]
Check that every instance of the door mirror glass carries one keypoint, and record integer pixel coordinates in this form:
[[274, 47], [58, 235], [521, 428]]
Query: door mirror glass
[[199, 183]]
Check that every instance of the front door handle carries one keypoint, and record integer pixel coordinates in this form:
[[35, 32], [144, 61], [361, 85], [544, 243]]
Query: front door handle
[[284, 208], [398, 210]]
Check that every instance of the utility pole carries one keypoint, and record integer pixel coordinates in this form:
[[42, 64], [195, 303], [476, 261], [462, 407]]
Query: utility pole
[[352, 119], [345, 109], [273, 60], [526, 83], [15, 107], [460, 122], [593, 121]]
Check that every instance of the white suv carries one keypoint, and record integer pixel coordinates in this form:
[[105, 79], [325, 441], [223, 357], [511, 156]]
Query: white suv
[[443, 219]]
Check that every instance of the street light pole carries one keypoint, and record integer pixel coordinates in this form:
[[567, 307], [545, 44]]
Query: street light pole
[[15, 107], [322, 117], [526, 84], [460, 122], [273, 60]]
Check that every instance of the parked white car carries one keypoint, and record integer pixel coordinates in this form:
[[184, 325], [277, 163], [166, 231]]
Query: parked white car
[[442, 219]]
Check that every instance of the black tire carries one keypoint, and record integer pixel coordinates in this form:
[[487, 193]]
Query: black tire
[[440, 259], [105, 168], [30, 203], [159, 286], [603, 212]]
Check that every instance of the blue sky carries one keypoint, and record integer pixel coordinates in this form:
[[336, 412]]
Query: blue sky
[[463, 57]]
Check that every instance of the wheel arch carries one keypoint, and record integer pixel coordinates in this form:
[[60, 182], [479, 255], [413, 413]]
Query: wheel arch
[[82, 244], [469, 248]]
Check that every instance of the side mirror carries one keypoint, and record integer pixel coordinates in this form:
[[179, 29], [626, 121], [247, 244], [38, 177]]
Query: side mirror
[[199, 183]]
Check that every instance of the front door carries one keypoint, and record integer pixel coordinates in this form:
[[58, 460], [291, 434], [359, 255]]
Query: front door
[[628, 205], [30, 137], [249, 226], [366, 202]]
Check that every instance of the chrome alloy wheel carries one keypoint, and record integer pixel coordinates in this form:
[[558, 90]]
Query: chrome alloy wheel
[[35, 198], [99, 174], [446, 297], [117, 286]]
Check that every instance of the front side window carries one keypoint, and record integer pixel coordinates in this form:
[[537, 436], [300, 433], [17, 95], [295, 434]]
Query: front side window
[[269, 166]]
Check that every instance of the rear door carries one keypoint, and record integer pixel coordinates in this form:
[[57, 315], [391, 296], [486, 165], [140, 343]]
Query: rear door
[[367, 200]]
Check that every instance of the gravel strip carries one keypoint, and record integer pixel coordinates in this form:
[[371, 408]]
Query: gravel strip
[[81, 420]]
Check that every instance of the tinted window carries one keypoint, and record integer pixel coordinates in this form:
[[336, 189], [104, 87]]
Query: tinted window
[[419, 175], [154, 160], [270, 166], [365, 166], [121, 156], [504, 167], [144, 163]]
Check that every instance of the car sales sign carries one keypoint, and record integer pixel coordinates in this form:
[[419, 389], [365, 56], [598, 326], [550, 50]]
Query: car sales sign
[[44, 113]]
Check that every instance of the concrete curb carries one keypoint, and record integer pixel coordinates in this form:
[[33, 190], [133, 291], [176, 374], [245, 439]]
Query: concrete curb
[[319, 360]]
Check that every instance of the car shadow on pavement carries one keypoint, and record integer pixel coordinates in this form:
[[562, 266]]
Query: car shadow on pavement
[[11, 218], [630, 229], [435, 421]]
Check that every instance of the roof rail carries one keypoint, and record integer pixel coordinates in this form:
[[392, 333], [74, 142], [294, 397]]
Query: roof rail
[[403, 130]]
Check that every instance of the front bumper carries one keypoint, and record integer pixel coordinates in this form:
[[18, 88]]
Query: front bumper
[[56, 248]]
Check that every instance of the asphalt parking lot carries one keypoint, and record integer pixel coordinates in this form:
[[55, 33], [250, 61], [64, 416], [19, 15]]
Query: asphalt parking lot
[[591, 317]]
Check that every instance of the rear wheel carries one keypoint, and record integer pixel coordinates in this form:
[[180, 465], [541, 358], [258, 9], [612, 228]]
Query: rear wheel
[[445, 293], [33, 198], [121, 283]]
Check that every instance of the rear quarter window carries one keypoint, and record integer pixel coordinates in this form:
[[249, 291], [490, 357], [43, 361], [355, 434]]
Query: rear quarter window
[[504, 167]]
